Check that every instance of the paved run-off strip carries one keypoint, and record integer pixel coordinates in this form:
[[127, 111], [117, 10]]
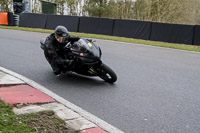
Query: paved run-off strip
[[15, 89]]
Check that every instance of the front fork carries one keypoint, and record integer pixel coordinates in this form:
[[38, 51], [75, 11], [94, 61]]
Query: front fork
[[96, 68]]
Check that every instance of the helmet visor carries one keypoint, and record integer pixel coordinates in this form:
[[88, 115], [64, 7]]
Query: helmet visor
[[61, 39]]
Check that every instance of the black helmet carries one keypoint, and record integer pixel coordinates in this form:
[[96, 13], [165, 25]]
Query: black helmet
[[61, 34]]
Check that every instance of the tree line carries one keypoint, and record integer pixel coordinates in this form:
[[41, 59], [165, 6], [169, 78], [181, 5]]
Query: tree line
[[167, 11]]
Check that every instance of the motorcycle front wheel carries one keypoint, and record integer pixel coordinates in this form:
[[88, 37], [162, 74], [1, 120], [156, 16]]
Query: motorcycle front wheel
[[107, 74]]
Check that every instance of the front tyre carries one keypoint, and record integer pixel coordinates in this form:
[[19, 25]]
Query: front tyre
[[107, 74]]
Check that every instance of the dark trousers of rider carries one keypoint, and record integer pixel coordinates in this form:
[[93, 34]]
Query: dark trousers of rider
[[54, 65]]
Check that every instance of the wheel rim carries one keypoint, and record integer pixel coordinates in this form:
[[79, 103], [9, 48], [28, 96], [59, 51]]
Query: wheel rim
[[105, 75]]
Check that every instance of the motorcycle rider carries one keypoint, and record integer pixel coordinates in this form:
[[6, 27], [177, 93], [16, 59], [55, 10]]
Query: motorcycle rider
[[54, 47]]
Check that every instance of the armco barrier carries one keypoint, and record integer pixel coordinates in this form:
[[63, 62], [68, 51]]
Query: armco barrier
[[71, 22], [197, 35], [3, 18], [96, 25], [172, 33], [33, 20], [10, 19], [132, 29]]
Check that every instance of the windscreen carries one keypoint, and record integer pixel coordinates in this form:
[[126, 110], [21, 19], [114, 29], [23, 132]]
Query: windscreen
[[80, 46]]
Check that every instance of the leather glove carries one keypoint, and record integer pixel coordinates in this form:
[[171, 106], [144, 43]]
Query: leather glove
[[69, 62], [90, 40]]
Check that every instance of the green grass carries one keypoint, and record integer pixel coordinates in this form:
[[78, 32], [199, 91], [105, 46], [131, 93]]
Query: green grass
[[8, 122], [120, 39], [41, 122]]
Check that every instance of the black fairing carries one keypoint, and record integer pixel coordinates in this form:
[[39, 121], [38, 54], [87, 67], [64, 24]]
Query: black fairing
[[42, 42], [87, 51]]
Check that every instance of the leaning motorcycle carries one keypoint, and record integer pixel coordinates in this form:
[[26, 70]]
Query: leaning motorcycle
[[87, 60]]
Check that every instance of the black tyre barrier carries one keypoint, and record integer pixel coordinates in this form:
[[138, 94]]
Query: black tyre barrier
[[172, 33], [164, 32], [197, 35], [70, 22], [33, 20], [10, 19], [16, 19], [96, 25], [132, 29]]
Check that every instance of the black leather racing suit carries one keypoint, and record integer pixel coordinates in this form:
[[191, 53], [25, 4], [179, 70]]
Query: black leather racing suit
[[53, 51]]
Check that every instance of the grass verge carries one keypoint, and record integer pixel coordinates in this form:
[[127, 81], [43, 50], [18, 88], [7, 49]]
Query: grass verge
[[41, 122], [120, 39]]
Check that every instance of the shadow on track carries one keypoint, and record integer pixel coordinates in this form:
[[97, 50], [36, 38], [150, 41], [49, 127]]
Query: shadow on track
[[74, 79]]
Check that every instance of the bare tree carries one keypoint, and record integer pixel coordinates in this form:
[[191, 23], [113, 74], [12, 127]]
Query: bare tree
[[6, 6], [170, 11]]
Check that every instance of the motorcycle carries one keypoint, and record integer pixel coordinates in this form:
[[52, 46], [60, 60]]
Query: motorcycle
[[87, 60]]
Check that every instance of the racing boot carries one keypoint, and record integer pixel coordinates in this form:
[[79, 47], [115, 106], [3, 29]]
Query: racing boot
[[56, 69], [57, 72]]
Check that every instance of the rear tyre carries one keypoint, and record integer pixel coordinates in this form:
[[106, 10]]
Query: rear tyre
[[107, 74]]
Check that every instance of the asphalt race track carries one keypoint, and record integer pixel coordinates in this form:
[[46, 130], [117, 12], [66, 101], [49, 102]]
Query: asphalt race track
[[158, 89]]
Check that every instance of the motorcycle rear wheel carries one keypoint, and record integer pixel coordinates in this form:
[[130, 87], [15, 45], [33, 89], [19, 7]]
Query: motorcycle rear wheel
[[107, 74]]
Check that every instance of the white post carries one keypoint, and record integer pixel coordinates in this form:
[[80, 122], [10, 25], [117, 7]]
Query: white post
[[30, 6]]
